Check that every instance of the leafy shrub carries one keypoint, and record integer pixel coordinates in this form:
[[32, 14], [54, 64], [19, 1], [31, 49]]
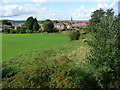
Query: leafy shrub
[[55, 30], [18, 30], [43, 74], [22, 29], [6, 30], [48, 26], [104, 53], [74, 35], [6, 22], [68, 29], [27, 31], [12, 30]]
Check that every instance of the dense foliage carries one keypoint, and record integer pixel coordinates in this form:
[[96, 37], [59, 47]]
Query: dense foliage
[[96, 18], [12, 30], [35, 25], [74, 35], [21, 29], [29, 23], [17, 29], [6, 30], [105, 52], [32, 25], [6, 22], [48, 26]]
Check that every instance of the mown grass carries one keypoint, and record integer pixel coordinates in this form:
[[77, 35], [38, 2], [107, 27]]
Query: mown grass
[[17, 44]]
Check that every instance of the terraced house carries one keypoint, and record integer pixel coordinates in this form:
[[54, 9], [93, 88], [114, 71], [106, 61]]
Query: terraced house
[[69, 25]]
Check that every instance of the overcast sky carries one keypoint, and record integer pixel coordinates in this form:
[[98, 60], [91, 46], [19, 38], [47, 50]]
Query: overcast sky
[[53, 9]]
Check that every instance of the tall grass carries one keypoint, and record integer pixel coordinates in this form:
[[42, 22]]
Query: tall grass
[[34, 64], [59, 67]]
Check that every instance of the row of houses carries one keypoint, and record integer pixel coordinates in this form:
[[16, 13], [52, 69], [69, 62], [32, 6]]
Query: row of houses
[[6, 26], [69, 25], [11, 26], [56, 25]]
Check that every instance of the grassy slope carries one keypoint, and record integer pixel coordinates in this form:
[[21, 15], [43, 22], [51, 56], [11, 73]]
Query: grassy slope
[[53, 45], [75, 51], [29, 58], [17, 44]]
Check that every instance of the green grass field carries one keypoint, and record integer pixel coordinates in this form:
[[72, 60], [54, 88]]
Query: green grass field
[[43, 60], [17, 44]]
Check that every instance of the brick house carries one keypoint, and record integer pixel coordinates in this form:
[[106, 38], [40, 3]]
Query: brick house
[[60, 26], [83, 24]]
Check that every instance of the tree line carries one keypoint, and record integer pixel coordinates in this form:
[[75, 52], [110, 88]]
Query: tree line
[[31, 26]]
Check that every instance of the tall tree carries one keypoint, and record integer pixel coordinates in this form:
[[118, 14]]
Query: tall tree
[[6, 22], [48, 26], [105, 52], [95, 18], [29, 23], [18, 29], [35, 25], [110, 13]]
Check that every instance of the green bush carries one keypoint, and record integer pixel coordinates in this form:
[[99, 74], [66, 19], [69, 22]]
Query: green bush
[[55, 30], [69, 29], [12, 30], [74, 35], [22, 29], [47, 73], [105, 52], [18, 30], [27, 31], [6, 30], [48, 26]]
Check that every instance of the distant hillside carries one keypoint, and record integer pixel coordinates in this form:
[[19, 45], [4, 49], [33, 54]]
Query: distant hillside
[[17, 21], [23, 21]]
